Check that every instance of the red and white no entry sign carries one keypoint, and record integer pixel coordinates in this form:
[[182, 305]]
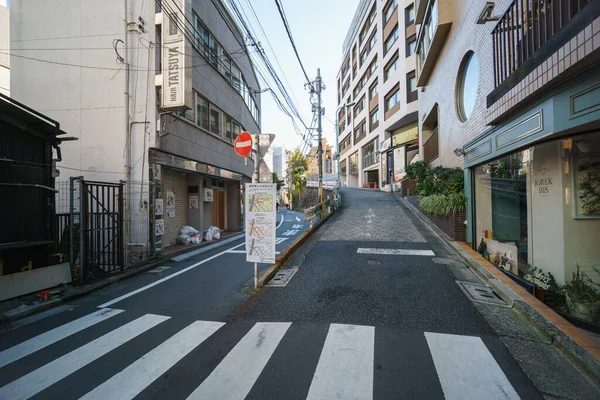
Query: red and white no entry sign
[[243, 144]]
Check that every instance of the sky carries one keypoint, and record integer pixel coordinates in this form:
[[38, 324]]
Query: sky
[[319, 28]]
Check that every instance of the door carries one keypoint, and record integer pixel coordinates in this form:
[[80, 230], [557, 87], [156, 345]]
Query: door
[[218, 209]]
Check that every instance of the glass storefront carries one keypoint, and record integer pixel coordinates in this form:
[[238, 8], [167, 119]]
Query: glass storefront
[[537, 216]]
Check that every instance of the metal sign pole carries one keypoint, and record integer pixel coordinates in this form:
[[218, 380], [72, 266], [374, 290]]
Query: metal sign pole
[[256, 179]]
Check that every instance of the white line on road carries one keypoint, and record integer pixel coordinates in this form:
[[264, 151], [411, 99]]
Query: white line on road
[[345, 368], [396, 252], [132, 380], [43, 377], [466, 368], [236, 374], [166, 278], [280, 240], [34, 344], [280, 223]]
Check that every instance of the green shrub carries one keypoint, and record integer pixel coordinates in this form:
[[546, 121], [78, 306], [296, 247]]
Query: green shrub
[[437, 180], [443, 205]]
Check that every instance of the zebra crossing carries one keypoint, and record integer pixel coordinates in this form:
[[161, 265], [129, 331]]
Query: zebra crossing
[[345, 367]]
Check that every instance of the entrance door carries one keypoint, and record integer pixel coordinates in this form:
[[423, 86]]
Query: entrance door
[[218, 211]]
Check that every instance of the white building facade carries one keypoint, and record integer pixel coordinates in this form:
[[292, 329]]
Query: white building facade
[[103, 81], [4, 48], [378, 134]]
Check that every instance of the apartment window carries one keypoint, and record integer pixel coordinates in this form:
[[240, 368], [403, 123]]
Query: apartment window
[[360, 105], [237, 129], [392, 98], [373, 66], [228, 128], [411, 45], [370, 153], [411, 87], [214, 51], [215, 120], [201, 112], [391, 40], [372, 15], [235, 77], [389, 10], [360, 132], [373, 40], [409, 14], [373, 90], [363, 57], [202, 37], [390, 68], [374, 120]]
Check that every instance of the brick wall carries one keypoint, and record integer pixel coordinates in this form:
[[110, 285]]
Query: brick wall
[[464, 35], [453, 226]]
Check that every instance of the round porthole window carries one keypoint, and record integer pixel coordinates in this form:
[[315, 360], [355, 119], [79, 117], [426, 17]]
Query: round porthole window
[[466, 87]]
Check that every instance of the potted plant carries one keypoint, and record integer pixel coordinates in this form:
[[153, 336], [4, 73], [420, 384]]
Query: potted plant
[[581, 297]]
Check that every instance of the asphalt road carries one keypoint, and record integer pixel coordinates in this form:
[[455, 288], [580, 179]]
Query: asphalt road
[[373, 310]]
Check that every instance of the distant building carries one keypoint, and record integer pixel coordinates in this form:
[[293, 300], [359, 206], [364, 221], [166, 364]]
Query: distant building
[[5, 46], [278, 161], [313, 160]]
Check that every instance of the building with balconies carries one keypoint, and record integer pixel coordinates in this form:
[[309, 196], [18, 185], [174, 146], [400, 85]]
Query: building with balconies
[[377, 95], [511, 93]]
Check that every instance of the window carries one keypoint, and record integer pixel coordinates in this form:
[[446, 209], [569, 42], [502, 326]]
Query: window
[[201, 112], [389, 11], [411, 87], [390, 40], [466, 86], [363, 57], [409, 14], [236, 129], [373, 90], [226, 66], [390, 68], [372, 15], [228, 128], [235, 77], [360, 131], [214, 50], [360, 105], [373, 40], [374, 120], [373, 66], [392, 98], [215, 120], [369, 152], [411, 45]]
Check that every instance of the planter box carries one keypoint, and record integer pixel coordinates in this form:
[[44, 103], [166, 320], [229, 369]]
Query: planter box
[[453, 225]]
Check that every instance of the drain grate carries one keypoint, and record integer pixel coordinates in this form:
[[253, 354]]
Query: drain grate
[[282, 277], [158, 270], [481, 293]]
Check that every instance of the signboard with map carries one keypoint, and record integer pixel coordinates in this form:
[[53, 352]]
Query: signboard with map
[[260, 222]]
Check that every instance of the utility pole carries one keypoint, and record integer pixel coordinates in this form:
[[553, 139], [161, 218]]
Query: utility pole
[[318, 89]]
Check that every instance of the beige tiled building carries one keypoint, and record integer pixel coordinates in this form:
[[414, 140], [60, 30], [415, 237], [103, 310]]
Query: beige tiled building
[[377, 133], [510, 91]]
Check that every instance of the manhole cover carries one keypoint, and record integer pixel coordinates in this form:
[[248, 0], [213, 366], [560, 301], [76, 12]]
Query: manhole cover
[[282, 277], [158, 270], [373, 262], [480, 293]]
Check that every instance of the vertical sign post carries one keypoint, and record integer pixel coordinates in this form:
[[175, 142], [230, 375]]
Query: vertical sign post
[[260, 224]]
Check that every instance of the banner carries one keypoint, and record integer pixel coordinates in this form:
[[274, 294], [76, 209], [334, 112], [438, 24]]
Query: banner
[[261, 217]]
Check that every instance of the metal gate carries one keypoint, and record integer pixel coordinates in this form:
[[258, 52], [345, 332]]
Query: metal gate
[[99, 227]]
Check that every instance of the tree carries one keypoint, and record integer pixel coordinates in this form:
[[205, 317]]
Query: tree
[[279, 181], [297, 165]]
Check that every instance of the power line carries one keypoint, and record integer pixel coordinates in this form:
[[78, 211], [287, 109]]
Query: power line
[[289, 33]]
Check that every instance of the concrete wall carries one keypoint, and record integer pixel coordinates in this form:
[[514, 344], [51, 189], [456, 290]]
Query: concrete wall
[[4, 46], [86, 96], [464, 35]]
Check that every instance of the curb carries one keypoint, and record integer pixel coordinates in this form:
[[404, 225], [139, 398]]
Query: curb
[[580, 349], [9, 316], [287, 253]]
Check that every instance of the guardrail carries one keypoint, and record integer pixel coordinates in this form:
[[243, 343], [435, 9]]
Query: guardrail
[[326, 184], [323, 209]]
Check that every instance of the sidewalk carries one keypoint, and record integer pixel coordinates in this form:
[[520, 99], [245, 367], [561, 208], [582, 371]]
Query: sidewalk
[[26, 305], [580, 346]]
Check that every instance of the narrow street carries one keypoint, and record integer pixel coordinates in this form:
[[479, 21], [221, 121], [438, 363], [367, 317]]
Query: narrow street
[[373, 311]]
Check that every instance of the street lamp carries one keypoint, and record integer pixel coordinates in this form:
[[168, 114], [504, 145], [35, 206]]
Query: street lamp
[[337, 140]]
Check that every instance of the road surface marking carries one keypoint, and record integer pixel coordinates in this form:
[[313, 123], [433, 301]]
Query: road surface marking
[[290, 232], [34, 344], [280, 223], [466, 369], [396, 252], [345, 368], [280, 240], [297, 226], [135, 378], [236, 374], [166, 278], [298, 219], [43, 377]]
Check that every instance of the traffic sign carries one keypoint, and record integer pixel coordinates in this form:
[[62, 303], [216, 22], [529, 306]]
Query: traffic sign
[[243, 144]]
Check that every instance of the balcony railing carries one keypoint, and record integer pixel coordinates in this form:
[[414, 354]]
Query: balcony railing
[[369, 160], [431, 147], [526, 27]]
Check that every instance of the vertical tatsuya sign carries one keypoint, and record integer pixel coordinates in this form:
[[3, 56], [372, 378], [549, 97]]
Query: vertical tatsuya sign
[[176, 72]]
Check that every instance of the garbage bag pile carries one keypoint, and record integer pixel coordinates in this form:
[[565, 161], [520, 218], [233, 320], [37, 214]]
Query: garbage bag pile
[[212, 233], [188, 235]]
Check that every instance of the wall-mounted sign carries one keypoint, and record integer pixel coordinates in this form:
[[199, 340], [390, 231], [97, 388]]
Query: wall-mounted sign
[[208, 195], [158, 207], [405, 136], [193, 201], [177, 78], [170, 203], [159, 227]]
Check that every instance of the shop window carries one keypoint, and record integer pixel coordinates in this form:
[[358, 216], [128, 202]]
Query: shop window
[[537, 218]]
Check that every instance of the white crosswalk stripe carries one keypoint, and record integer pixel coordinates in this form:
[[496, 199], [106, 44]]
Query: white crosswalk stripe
[[466, 368], [132, 380], [30, 346], [49, 374], [236, 374], [345, 368]]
